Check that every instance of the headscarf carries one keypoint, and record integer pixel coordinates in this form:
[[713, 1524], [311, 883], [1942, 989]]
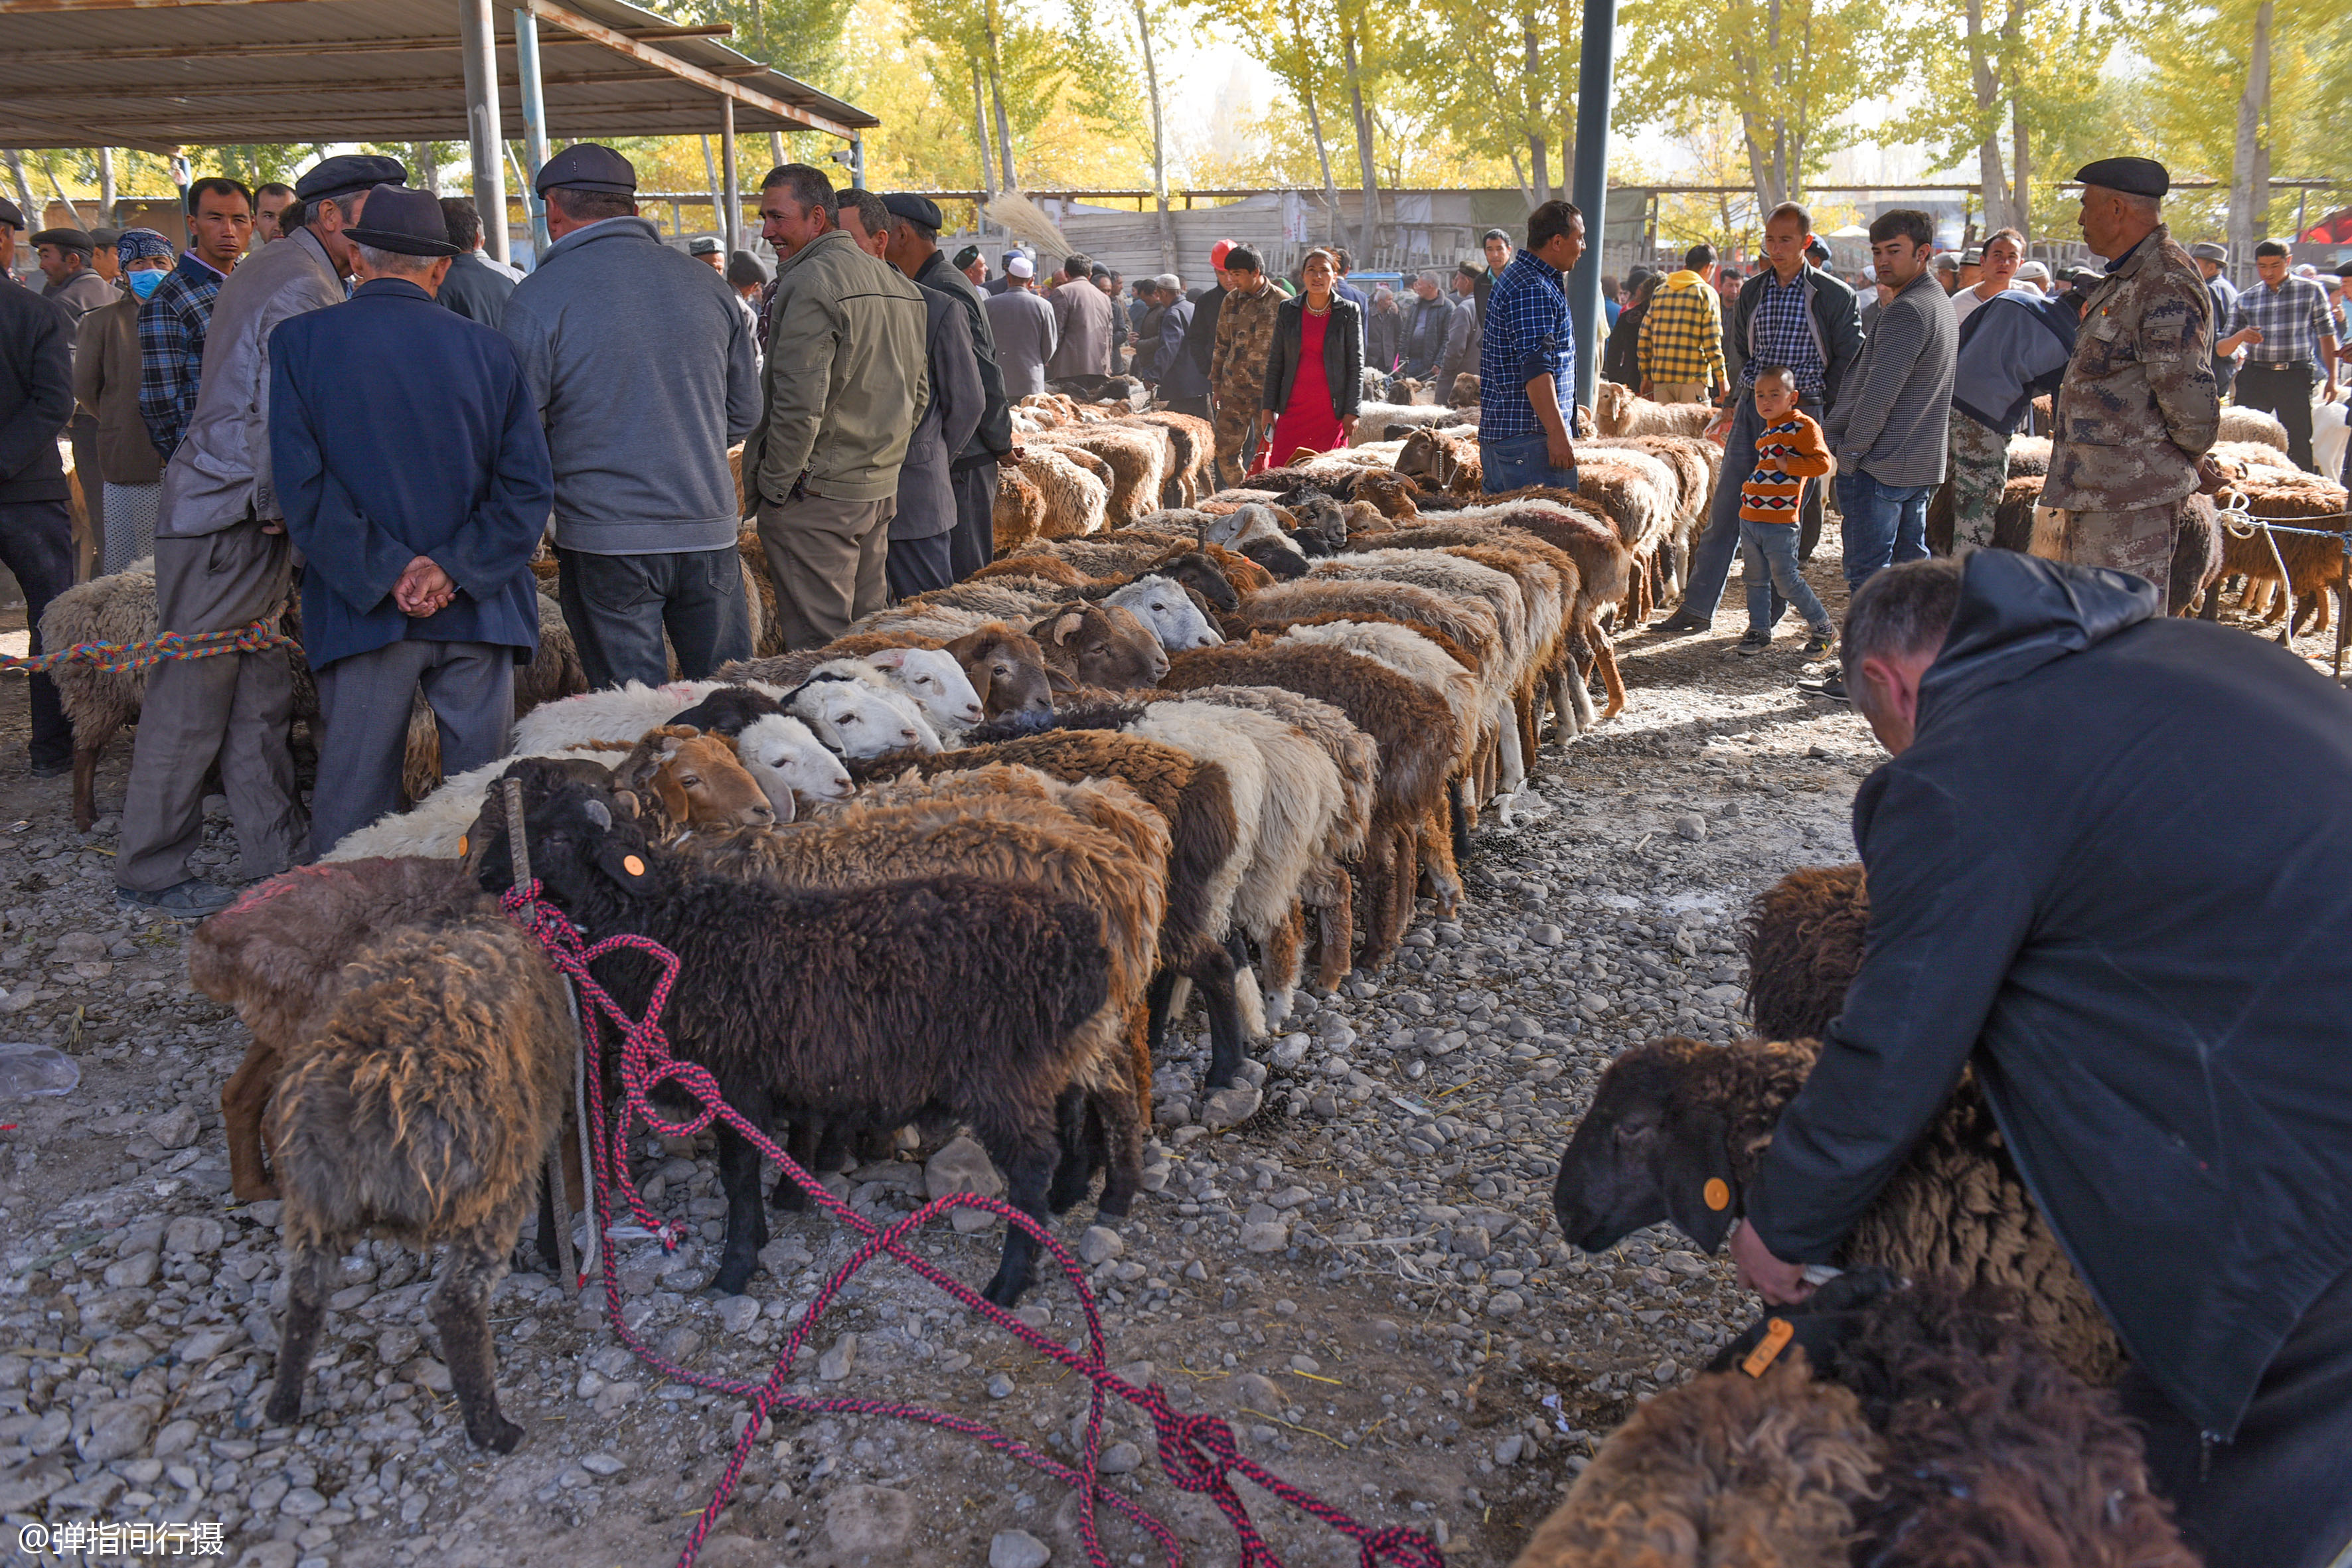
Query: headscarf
[[140, 244]]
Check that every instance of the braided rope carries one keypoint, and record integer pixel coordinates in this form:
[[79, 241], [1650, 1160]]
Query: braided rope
[[121, 657], [1198, 1453]]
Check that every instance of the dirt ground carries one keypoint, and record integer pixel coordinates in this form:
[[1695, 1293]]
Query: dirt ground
[[1364, 1278]]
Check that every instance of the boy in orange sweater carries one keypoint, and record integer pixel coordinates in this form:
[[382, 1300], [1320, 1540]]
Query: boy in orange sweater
[[1789, 453]]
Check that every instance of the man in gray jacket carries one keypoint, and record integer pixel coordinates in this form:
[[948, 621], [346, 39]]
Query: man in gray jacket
[[1082, 318], [1889, 425], [1024, 327], [641, 363], [221, 563]]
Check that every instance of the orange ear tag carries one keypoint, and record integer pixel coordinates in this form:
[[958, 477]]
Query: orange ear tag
[[1777, 1333], [461, 846], [1717, 1193], [633, 866]]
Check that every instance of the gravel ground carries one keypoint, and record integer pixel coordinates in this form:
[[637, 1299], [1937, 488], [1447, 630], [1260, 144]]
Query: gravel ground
[[1363, 1276]]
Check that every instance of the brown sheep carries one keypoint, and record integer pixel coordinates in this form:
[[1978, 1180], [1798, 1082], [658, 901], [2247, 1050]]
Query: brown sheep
[[1442, 462], [1391, 495], [1804, 939], [1194, 446], [424, 1109], [1099, 645], [1724, 1471], [1677, 1130], [2315, 564], [1018, 513], [1138, 457]]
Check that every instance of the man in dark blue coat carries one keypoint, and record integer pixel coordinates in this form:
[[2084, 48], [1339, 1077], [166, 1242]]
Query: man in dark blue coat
[[414, 477], [2088, 885]]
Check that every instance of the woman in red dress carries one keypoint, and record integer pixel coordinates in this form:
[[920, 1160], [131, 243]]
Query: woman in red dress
[[1315, 372]]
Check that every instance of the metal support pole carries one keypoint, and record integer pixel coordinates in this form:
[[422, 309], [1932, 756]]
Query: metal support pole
[[857, 161], [534, 122], [730, 222], [1594, 80], [479, 39]]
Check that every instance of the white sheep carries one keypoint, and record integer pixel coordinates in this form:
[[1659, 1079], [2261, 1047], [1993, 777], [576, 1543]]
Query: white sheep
[[849, 705], [790, 765], [1163, 605], [935, 680]]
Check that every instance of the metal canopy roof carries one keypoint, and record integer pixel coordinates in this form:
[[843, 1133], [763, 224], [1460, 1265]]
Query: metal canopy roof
[[157, 74]]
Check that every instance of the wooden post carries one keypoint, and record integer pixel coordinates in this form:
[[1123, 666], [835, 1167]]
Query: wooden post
[[479, 36]]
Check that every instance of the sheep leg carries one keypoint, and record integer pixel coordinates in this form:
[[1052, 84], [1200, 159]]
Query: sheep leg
[[1213, 973], [747, 1220], [1028, 1167], [1281, 947], [242, 1098], [461, 1315], [1377, 881], [1444, 876], [1604, 658], [833, 1147], [1335, 934], [85, 785], [1115, 1144], [552, 1262], [800, 1144], [310, 1275], [1073, 1168], [1460, 817], [1156, 1009]]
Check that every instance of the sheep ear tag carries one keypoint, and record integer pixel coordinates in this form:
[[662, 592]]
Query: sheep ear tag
[[1777, 1333], [1717, 1193], [622, 866], [633, 866]]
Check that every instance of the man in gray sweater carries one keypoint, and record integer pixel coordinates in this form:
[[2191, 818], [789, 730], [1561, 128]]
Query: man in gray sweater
[[1889, 423], [642, 366]]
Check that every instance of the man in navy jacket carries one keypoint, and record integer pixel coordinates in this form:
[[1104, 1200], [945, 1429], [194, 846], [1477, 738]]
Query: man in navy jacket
[[414, 477]]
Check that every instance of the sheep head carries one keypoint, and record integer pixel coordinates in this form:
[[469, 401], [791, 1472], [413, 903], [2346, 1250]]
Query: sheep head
[[557, 792], [1196, 571], [697, 779], [790, 765], [1006, 669], [1173, 617], [1099, 645], [726, 711], [936, 681]]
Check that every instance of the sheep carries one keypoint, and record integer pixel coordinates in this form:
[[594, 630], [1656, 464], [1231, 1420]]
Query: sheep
[[792, 768], [1760, 1472], [1174, 617], [2027, 455], [1410, 725], [1553, 587], [1374, 419], [2314, 562], [933, 679], [692, 780], [277, 954], [1017, 515], [849, 706], [1099, 645], [1192, 447], [2239, 423], [1095, 844], [1045, 570], [423, 1107], [1804, 936], [1004, 668], [1991, 1452], [867, 1007], [1677, 1130], [1440, 462], [1074, 501], [1638, 493], [1138, 459], [1620, 411]]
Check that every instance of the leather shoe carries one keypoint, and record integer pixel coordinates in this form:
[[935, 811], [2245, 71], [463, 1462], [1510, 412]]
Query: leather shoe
[[1679, 624]]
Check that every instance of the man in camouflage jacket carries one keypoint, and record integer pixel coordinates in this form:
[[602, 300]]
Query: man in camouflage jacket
[[2138, 410], [1237, 365]]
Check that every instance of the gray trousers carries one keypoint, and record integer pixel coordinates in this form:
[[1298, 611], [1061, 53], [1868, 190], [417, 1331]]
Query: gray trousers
[[233, 709], [364, 702], [829, 561], [973, 543], [617, 607]]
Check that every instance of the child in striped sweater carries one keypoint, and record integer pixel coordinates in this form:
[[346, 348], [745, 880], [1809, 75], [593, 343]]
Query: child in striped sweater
[[1789, 453]]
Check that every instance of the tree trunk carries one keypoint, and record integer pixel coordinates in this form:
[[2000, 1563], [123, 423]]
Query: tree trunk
[[1537, 147], [996, 93], [980, 134], [1986, 89], [1306, 65], [2019, 169], [2248, 166], [1372, 213], [106, 185], [1519, 178], [1159, 145]]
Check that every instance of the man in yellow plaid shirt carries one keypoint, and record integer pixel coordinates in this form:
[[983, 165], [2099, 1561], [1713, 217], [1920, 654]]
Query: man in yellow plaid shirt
[[1682, 333]]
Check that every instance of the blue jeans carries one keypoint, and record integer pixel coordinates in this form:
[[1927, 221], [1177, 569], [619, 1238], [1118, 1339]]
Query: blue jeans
[[1710, 563], [1515, 462], [1767, 555], [1884, 525]]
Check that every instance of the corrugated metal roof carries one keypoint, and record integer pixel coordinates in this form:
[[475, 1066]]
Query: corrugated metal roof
[[157, 73]]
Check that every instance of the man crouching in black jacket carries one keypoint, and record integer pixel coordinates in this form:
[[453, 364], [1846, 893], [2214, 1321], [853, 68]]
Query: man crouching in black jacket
[[2110, 866]]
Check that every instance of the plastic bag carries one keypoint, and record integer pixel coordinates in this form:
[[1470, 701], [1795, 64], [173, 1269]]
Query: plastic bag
[[29, 1070]]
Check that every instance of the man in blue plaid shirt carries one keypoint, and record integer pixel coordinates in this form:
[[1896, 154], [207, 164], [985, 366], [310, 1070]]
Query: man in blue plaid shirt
[[2289, 330], [1526, 361], [173, 321]]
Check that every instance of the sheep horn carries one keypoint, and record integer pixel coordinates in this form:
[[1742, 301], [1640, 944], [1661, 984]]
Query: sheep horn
[[598, 816]]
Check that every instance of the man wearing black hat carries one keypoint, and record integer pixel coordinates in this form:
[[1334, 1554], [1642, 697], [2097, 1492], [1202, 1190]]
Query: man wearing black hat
[[640, 363], [2213, 259], [973, 267], [914, 250], [35, 528], [2137, 411], [414, 477], [222, 563], [12, 224]]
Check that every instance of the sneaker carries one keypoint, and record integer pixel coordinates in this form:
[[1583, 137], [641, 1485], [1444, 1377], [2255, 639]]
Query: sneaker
[[190, 900], [1679, 624], [1833, 689], [1818, 644], [1754, 643]]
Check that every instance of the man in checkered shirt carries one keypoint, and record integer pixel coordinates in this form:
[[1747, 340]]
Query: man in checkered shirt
[[1527, 360], [2289, 330], [174, 321], [1790, 313]]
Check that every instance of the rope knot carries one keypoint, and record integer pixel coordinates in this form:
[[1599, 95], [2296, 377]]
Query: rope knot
[[1194, 1451]]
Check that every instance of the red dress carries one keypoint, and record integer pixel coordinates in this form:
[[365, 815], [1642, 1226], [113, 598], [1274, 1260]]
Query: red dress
[[1306, 420]]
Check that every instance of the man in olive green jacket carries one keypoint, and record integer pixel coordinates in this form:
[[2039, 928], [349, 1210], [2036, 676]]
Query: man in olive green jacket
[[845, 374]]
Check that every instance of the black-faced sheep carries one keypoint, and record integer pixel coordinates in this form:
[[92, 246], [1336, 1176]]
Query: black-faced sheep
[[867, 1008], [1804, 940], [423, 1107], [1677, 1130]]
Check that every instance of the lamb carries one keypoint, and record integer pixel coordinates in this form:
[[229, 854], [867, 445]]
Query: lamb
[[1725, 1469], [1410, 725], [1099, 645], [1003, 666], [1555, 587], [1174, 615], [1017, 515], [425, 1107], [1619, 411], [1676, 1125], [867, 1008], [1138, 457], [1074, 501], [2315, 563]]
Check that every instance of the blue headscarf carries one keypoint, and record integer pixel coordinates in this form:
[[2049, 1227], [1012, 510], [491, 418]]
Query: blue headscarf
[[139, 244]]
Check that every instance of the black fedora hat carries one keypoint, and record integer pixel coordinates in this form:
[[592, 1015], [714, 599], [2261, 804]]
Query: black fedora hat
[[403, 220]]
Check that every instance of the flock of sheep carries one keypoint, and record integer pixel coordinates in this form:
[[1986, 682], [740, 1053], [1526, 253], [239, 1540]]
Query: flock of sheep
[[962, 867]]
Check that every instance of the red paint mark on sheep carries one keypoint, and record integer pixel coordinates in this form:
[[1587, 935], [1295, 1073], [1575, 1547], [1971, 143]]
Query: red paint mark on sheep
[[1198, 1453]]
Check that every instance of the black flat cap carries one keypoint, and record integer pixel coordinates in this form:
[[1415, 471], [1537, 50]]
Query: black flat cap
[[9, 215], [105, 237], [915, 209], [406, 221], [744, 269], [2210, 250], [349, 171], [585, 166], [2131, 176], [966, 257], [66, 239]]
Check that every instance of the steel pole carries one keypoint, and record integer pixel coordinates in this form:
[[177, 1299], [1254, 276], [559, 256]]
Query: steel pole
[[480, 41], [534, 122], [730, 222], [1594, 83]]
